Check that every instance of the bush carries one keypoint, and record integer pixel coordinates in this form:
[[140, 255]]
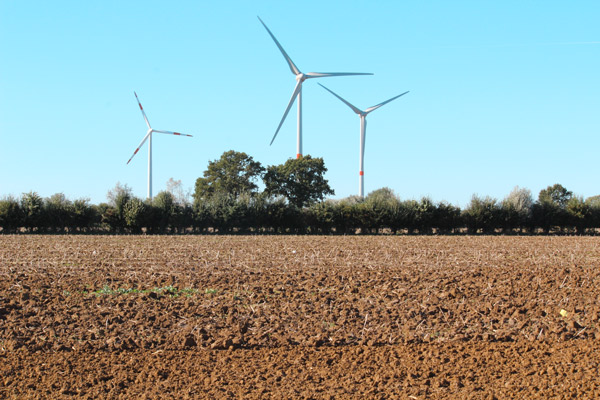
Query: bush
[[481, 214], [134, 214], [578, 214], [10, 214], [32, 210], [517, 209]]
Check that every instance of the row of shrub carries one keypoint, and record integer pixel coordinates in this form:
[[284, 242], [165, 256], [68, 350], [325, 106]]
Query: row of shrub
[[556, 210]]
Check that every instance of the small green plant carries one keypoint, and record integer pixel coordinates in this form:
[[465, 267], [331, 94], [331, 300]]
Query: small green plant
[[170, 290], [211, 291]]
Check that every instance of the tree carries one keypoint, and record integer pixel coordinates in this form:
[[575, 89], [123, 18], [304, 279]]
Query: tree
[[234, 173], [176, 189], [556, 194], [579, 213], [163, 205], [83, 215], [517, 208], [133, 212], [425, 215], [10, 214], [58, 212], [382, 205], [299, 180], [550, 209], [32, 210], [446, 217], [481, 213], [117, 198]]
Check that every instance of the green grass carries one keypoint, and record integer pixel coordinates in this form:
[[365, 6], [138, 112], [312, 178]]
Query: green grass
[[170, 291]]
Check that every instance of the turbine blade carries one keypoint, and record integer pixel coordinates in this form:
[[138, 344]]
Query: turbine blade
[[173, 133], [356, 110], [141, 144], [142, 108], [328, 74], [287, 110], [368, 110], [293, 67]]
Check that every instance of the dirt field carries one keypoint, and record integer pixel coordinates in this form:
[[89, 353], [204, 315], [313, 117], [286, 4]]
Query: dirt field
[[299, 317]]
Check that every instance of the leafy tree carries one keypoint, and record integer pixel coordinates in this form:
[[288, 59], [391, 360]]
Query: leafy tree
[[58, 212], [481, 213], [83, 215], [345, 214], [593, 201], [163, 205], [134, 214], [517, 208], [32, 210], [299, 180], [594, 207], [234, 173], [10, 214], [556, 194], [425, 215], [579, 213], [321, 217], [407, 215], [117, 197], [550, 209], [446, 217], [381, 207]]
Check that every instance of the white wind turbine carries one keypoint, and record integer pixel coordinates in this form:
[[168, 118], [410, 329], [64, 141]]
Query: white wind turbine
[[363, 132], [300, 78], [149, 138]]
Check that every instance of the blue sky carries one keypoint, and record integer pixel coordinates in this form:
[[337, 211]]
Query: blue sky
[[502, 93]]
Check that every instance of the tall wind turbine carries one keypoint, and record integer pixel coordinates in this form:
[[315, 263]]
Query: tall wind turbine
[[300, 78], [363, 132], [149, 138]]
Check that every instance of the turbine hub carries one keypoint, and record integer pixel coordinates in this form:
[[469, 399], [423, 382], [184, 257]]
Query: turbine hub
[[301, 77]]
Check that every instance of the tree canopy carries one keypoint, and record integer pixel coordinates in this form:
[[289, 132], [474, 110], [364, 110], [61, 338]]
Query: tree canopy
[[556, 194], [299, 180], [234, 173]]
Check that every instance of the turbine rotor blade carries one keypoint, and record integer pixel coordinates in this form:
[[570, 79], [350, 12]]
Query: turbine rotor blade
[[368, 110], [172, 133], [287, 110], [141, 144], [356, 110], [142, 109], [293, 67], [328, 74]]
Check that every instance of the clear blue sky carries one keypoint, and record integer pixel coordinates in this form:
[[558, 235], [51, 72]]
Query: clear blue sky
[[502, 93]]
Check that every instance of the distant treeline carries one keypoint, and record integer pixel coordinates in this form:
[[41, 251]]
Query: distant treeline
[[226, 200], [556, 210]]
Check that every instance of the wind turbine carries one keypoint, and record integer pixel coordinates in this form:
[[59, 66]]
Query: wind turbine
[[300, 78], [363, 132], [149, 138]]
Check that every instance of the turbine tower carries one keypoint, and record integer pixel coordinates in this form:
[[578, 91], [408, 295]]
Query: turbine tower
[[297, 94], [149, 138], [363, 132]]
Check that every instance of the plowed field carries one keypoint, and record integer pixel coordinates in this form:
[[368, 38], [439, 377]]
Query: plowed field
[[299, 317]]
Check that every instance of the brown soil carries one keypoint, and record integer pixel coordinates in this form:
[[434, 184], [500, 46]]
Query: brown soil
[[299, 317]]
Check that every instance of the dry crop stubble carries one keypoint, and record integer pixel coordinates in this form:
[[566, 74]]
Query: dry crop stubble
[[126, 296]]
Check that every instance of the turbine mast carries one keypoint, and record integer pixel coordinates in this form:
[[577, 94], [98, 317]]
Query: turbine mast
[[361, 161], [150, 166], [299, 135]]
